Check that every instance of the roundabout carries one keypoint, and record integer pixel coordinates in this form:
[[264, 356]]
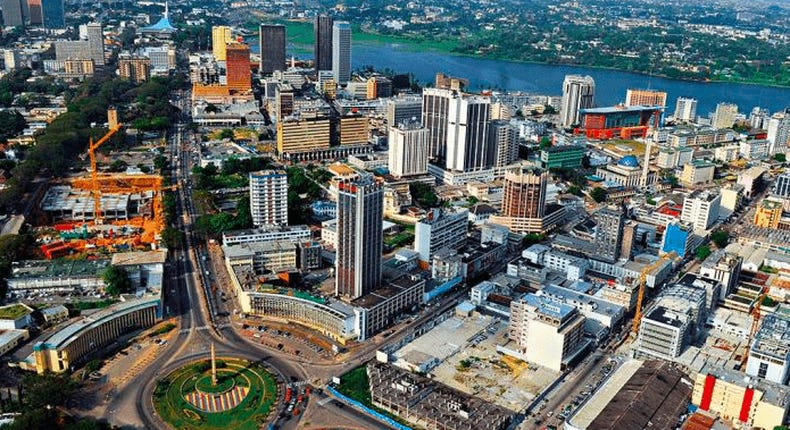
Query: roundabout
[[226, 393]]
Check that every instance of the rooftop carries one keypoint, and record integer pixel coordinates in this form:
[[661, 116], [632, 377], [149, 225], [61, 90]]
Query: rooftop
[[617, 109], [548, 306], [774, 394], [666, 316], [655, 396], [70, 332], [14, 311], [139, 258], [58, 268], [774, 336]]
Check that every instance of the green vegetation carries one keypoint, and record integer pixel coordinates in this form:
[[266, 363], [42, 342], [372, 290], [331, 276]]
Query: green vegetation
[[780, 157], [398, 240], [768, 302], [532, 238], [84, 306], [41, 404], [171, 405], [11, 124], [12, 312], [355, 384], [598, 194], [116, 281], [768, 269], [424, 194], [721, 238], [702, 252], [167, 327], [303, 188]]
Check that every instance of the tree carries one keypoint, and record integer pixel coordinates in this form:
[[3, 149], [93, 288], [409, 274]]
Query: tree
[[424, 194], [172, 237], [472, 200], [116, 281], [780, 157], [545, 143], [721, 238], [226, 133], [532, 238], [598, 194], [702, 252]]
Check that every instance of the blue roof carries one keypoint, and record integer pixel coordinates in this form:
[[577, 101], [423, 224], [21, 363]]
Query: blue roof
[[628, 161], [162, 25]]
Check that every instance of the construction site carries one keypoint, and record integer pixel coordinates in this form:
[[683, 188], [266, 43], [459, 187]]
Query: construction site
[[101, 212]]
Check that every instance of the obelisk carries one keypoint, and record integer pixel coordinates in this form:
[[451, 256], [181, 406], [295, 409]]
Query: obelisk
[[213, 366]]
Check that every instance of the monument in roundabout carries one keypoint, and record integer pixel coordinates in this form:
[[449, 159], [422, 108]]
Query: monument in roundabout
[[225, 393]]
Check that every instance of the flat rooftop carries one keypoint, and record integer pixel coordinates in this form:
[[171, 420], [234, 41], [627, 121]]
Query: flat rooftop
[[58, 268], [548, 306], [14, 311], [619, 109], [774, 394], [139, 258], [665, 316]]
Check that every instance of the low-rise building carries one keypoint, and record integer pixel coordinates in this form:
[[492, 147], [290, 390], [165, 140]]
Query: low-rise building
[[267, 234], [742, 401], [696, 173]]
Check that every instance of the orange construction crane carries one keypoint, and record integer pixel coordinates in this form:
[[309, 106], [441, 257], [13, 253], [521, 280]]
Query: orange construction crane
[[755, 324], [642, 281], [92, 147]]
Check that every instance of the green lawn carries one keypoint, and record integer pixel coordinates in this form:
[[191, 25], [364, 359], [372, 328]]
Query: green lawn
[[12, 312], [399, 239], [355, 385], [250, 414]]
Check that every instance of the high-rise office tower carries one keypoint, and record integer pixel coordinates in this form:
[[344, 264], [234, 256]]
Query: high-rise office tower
[[578, 92], [468, 147], [237, 66], [269, 197], [725, 115], [435, 117], [221, 35], [34, 12], [93, 33], [403, 109], [322, 50], [408, 149], [502, 137], [686, 109], [272, 44], [645, 98], [525, 193], [608, 234], [12, 13], [52, 13], [360, 214], [782, 139], [341, 51]]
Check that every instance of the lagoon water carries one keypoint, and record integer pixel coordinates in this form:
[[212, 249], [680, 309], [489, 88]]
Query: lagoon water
[[547, 79]]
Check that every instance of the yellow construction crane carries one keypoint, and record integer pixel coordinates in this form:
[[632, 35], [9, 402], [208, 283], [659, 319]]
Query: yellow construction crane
[[642, 281]]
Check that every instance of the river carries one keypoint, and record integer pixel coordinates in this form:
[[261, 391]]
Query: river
[[610, 85]]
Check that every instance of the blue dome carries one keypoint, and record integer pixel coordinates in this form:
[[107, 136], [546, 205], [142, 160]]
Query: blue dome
[[628, 161]]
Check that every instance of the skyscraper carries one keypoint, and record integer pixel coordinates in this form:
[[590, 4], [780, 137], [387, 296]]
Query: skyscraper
[[525, 193], [93, 33], [578, 92], [237, 65], [408, 149], [322, 50], [686, 109], [359, 237], [220, 36], [403, 109], [272, 44], [502, 137], [608, 234], [468, 147], [52, 13], [12, 13], [725, 115], [34, 11], [783, 131], [341, 51], [269, 197], [435, 114]]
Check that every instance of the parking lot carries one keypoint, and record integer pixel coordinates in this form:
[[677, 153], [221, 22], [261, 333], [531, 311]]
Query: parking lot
[[289, 339]]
